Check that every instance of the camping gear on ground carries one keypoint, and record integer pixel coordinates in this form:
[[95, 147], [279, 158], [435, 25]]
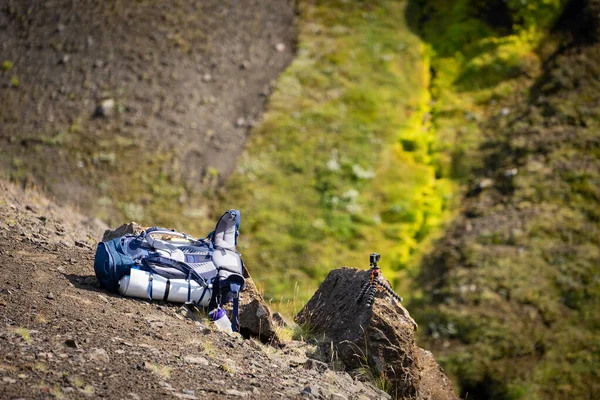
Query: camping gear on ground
[[374, 280], [162, 264]]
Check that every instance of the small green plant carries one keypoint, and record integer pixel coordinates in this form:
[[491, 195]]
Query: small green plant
[[209, 348], [228, 367], [17, 162], [61, 138], [76, 381], [40, 366], [284, 333], [160, 370], [376, 377], [88, 390], [303, 332], [24, 333], [211, 176], [334, 361], [15, 82], [7, 66], [368, 371], [56, 392]]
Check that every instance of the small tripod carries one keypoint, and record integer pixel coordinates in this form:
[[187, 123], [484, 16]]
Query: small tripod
[[370, 285]]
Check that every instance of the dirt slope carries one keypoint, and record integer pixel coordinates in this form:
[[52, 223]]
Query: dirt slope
[[61, 336], [179, 85]]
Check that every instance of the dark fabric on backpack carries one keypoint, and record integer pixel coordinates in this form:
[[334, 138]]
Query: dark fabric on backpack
[[111, 263]]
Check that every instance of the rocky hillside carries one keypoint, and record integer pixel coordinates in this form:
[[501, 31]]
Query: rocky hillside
[[398, 122], [137, 111], [61, 336]]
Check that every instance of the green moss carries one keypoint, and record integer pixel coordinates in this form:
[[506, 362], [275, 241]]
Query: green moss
[[7, 65], [343, 163], [24, 334], [476, 65], [15, 82], [60, 139], [535, 15], [511, 317]]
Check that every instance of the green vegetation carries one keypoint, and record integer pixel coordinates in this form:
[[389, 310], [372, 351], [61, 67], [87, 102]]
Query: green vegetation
[[376, 377], [342, 164], [478, 63], [24, 334], [509, 294], [162, 371], [7, 65], [303, 332], [228, 367], [15, 82], [371, 373]]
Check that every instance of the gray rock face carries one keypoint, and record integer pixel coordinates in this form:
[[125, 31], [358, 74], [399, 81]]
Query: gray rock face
[[381, 337]]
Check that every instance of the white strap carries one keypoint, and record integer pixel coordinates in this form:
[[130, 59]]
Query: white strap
[[157, 244], [170, 233]]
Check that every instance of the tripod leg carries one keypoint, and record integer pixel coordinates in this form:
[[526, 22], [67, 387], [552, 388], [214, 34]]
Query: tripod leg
[[389, 290], [363, 290], [371, 295]]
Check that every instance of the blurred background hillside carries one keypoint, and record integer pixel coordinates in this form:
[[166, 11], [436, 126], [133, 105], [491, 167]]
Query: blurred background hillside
[[457, 138]]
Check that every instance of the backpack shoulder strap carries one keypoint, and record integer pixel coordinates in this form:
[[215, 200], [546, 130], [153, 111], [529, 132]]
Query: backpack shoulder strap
[[227, 230]]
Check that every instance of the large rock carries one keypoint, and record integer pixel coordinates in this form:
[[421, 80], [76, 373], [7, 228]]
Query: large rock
[[256, 319], [380, 338]]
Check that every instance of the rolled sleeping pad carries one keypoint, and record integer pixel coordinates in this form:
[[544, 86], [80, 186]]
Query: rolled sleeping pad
[[137, 283]]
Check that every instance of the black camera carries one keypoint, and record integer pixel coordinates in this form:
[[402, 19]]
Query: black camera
[[374, 259]]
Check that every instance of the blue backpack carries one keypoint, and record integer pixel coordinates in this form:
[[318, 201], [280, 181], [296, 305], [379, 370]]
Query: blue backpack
[[161, 264]]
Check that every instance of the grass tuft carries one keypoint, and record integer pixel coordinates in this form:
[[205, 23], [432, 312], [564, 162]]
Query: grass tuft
[[24, 333], [160, 370], [303, 332]]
